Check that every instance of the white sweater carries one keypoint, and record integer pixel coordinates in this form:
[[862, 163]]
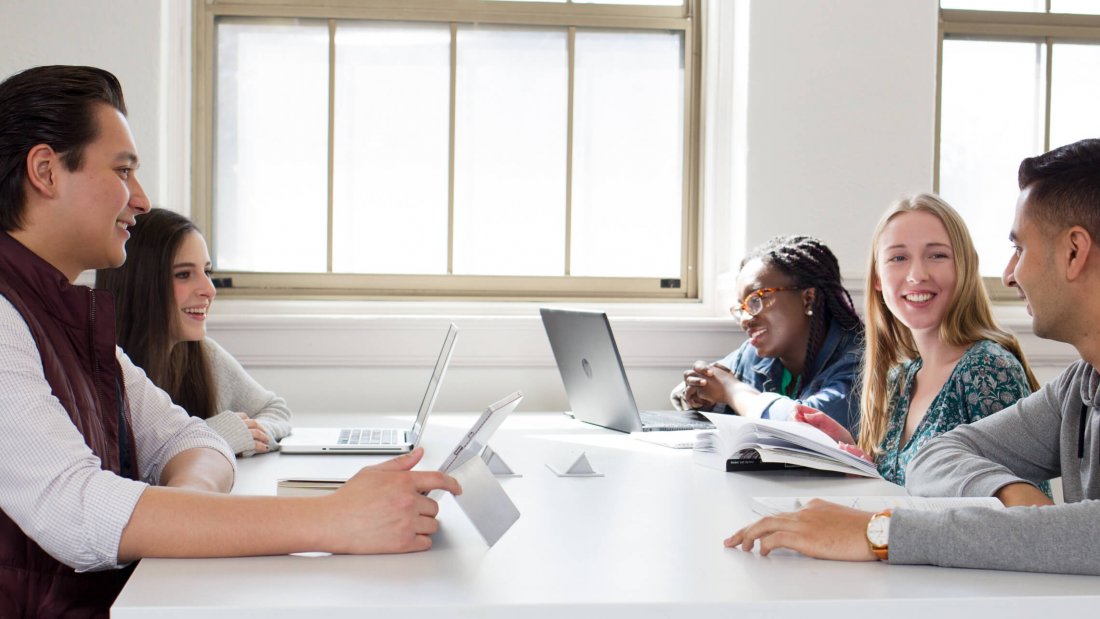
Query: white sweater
[[238, 392]]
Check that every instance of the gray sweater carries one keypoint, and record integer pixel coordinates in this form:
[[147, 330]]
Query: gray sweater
[[240, 393], [1055, 431]]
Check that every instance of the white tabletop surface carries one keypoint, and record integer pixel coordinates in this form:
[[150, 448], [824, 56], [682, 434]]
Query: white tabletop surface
[[643, 541]]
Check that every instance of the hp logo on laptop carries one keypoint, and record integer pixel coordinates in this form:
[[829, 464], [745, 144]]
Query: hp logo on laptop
[[587, 367]]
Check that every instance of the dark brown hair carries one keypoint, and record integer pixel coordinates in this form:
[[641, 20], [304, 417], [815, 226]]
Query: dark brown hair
[[1065, 186], [145, 310], [52, 105]]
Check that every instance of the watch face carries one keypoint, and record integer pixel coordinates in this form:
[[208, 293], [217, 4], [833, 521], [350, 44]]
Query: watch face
[[878, 531]]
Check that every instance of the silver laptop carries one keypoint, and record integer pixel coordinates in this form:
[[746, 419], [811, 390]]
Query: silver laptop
[[374, 440], [595, 381]]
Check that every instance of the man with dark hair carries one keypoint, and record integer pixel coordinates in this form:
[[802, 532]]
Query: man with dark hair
[[1054, 432], [97, 467], [37, 116]]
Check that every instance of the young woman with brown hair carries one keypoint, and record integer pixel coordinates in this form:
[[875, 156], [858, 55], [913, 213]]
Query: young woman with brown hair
[[162, 296]]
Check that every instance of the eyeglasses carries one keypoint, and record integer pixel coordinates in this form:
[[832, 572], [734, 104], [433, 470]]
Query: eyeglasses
[[755, 302]]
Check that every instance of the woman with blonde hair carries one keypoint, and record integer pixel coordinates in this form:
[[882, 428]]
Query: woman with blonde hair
[[934, 356]]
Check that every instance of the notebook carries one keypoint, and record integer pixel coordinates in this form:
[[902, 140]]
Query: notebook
[[374, 440], [595, 381]]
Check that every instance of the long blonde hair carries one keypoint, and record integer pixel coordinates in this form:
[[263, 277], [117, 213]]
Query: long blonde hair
[[969, 318]]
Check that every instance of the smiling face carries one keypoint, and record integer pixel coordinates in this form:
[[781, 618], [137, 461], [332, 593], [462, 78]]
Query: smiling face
[[782, 328], [192, 289], [99, 202], [915, 267], [1031, 271]]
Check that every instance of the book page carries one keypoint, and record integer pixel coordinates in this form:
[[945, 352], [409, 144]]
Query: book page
[[736, 434], [814, 460]]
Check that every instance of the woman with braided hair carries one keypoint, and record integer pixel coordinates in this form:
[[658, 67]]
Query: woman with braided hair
[[804, 339], [935, 357]]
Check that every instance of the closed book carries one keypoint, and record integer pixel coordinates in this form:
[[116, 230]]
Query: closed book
[[307, 487]]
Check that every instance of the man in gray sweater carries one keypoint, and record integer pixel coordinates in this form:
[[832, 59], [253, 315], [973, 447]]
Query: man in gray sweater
[[1056, 431]]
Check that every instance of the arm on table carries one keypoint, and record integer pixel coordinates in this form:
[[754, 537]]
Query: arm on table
[[708, 385], [1054, 539], [198, 469], [382, 509], [253, 418], [1020, 444], [821, 530], [834, 393], [1021, 494]]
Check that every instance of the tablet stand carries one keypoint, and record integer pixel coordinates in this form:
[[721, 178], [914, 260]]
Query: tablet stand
[[573, 464], [496, 464]]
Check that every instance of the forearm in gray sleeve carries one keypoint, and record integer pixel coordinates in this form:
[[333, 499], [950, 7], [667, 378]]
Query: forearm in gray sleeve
[[1057, 539], [1019, 443], [949, 466]]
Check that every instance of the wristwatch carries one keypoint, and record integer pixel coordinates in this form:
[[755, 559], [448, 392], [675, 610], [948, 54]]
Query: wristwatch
[[878, 534]]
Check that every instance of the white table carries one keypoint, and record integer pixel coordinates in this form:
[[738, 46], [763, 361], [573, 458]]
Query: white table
[[643, 541]]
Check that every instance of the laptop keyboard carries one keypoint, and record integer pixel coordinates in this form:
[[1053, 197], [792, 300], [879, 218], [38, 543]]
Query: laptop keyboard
[[371, 436], [673, 420]]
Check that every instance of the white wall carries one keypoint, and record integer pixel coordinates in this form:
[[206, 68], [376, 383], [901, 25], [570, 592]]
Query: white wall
[[128, 38], [841, 117], [820, 112]]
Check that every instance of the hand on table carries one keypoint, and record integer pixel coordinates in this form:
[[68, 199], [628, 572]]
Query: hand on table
[[383, 508], [821, 530], [260, 438]]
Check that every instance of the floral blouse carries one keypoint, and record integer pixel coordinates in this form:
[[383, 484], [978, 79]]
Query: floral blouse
[[987, 379]]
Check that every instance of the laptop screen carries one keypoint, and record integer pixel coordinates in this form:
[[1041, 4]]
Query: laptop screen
[[434, 382], [591, 369]]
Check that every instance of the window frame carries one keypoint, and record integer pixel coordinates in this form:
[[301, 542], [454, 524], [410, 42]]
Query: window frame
[[685, 19], [1044, 28]]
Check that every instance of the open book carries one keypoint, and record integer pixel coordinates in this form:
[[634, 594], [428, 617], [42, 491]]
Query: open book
[[771, 505], [738, 442]]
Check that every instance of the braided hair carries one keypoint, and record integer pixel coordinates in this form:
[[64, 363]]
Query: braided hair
[[811, 265]]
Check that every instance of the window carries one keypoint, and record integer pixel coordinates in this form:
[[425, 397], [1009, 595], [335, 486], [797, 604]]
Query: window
[[449, 148], [1017, 78]]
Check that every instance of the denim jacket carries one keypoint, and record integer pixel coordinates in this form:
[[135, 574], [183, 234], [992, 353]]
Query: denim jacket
[[831, 387]]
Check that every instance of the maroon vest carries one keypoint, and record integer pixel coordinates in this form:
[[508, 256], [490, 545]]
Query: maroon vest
[[73, 327]]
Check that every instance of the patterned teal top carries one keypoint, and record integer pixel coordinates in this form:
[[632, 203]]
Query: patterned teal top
[[986, 379]]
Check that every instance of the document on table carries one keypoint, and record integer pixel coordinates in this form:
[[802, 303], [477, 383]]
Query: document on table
[[676, 439], [771, 505]]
